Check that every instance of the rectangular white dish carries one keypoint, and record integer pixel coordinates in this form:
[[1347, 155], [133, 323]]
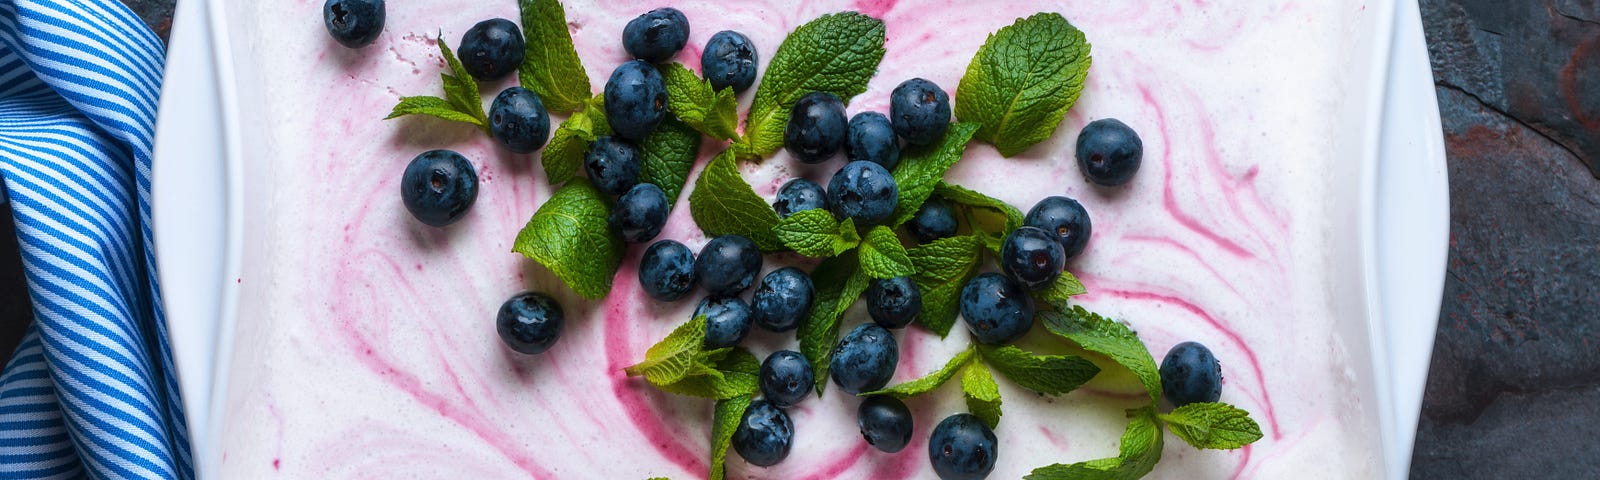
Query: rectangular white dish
[[1391, 341]]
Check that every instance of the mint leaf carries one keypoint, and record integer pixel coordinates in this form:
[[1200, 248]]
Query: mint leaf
[[1045, 374], [725, 419], [1217, 426], [461, 102], [722, 203], [882, 255], [712, 112], [927, 383], [836, 53], [943, 267], [839, 283], [985, 211], [1023, 80], [550, 64], [669, 152], [564, 154], [814, 233], [983, 395], [734, 374], [1060, 291], [674, 357], [1141, 448], [1106, 337], [570, 235], [921, 168]]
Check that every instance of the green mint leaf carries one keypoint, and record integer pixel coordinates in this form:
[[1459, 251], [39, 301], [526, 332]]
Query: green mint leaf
[[709, 111], [921, 168], [1060, 291], [1045, 374], [1216, 426], [570, 235], [882, 255], [461, 102], [725, 419], [839, 283], [723, 203], [550, 65], [431, 106], [1023, 80], [669, 152], [734, 374], [983, 210], [943, 267], [675, 356], [564, 154], [836, 53], [815, 233], [1106, 337], [1139, 452], [983, 395], [929, 382]]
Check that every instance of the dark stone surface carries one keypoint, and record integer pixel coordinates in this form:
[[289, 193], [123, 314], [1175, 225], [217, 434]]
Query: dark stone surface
[[1514, 388]]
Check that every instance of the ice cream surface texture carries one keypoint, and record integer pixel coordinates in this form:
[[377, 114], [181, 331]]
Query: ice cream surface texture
[[365, 344]]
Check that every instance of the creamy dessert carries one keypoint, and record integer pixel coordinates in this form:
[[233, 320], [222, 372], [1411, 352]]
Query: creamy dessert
[[365, 344]]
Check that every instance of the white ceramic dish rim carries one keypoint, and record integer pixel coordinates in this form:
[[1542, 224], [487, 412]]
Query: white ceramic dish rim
[[203, 370]]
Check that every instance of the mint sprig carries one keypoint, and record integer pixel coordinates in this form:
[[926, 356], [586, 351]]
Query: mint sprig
[[982, 394], [1216, 426], [461, 102], [1045, 374], [983, 212], [921, 168], [564, 154], [723, 203], [839, 282], [570, 235], [836, 53], [815, 233], [669, 153], [1106, 337], [929, 382], [943, 267], [680, 364], [1139, 451], [710, 111], [550, 64], [1023, 80], [1060, 291], [725, 419], [882, 255]]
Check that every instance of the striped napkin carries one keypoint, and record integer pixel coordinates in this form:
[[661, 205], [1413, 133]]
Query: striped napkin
[[91, 391]]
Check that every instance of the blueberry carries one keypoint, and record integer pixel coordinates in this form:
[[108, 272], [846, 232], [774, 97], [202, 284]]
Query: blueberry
[[729, 60], [727, 320], [667, 270], [639, 215], [894, 302], [613, 164], [885, 422], [1109, 152], [817, 127], [798, 195], [962, 448], [920, 110], [728, 265], [786, 378], [996, 309], [657, 35], [863, 191], [491, 49], [518, 120], [934, 220], [764, 434], [1067, 218], [1191, 374], [353, 23], [439, 187], [783, 299], [636, 99], [1032, 257], [872, 139], [864, 359], [529, 322]]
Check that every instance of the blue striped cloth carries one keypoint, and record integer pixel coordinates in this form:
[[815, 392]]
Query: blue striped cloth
[[91, 392]]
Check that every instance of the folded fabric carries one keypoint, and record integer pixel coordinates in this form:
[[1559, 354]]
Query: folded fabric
[[92, 390]]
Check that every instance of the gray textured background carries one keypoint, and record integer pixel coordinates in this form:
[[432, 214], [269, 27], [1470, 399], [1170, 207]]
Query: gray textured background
[[1514, 388]]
